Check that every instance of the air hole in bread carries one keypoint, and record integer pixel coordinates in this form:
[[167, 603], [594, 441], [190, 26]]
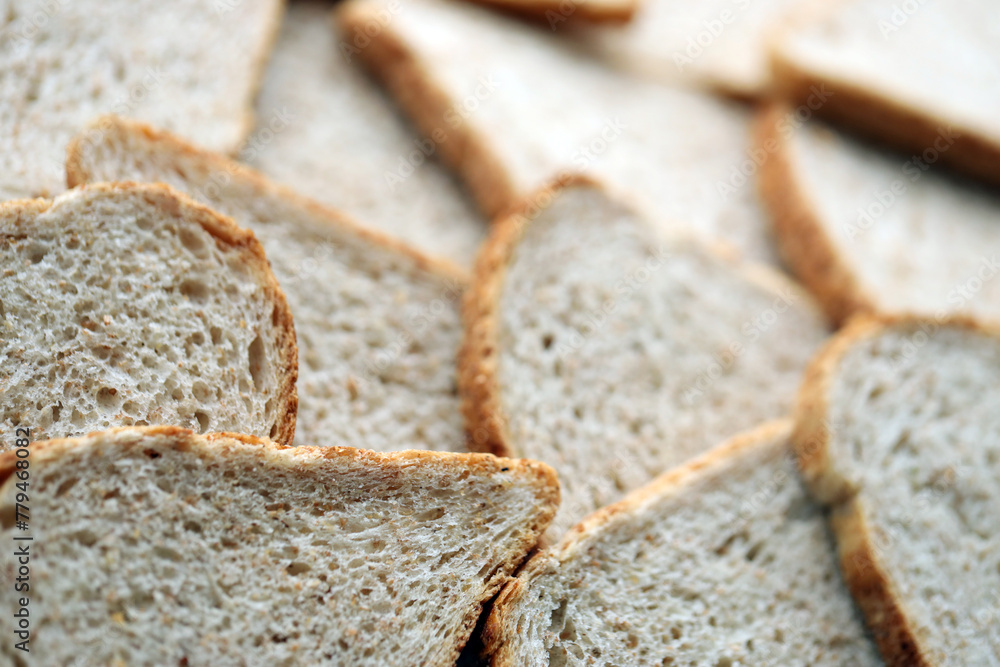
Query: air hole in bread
[[195, 290], [107, 398], [257, 361], [203, 421]]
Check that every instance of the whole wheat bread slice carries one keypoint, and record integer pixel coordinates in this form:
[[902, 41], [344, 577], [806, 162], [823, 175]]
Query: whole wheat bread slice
[[868, 230], [723, 561], [126, 304], [898, 430], [873, 56], [613, 354], [326, 129], [378, 323], [518, 108], [159, 547], [721, 44], [189, 66]]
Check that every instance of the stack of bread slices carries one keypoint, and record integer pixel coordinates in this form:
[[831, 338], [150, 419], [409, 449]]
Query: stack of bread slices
[[511, 332]]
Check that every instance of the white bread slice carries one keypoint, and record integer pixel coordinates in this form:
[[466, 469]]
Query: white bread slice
[[557, 12], [872, 56], [867, 230], [613, 354], [519, 108], [326, 129], [378, 324], [723, 561], [721, 44], [898, 429], [126, 304], [190, 66], [159, 547]]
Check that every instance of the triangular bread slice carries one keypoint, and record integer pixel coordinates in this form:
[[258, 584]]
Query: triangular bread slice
[[160, 547], [721, 44], [724, 561], [898, 429], [326, 129], [378, 323], [519, 107], [868, 230], [190, 66], [613, 353], [557, 12], [871, 56], [126, 304]]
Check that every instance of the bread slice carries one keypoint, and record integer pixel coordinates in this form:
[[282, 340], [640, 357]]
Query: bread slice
[[378, 324], [190, 66], [519, 108], [898, 430], [871, 57], [326, 129], [724, 561], [721, 44], [614, 354], [159, 547], [126, 304], [867, 230], [556, 12]]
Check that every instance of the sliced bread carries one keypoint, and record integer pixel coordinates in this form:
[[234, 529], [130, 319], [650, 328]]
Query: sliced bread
[[873, 57], [868, 230], [159, 547], [127, 304], [721, 44], [724, 561], [326, 129], [613, 354], [519, 107], [556, 12], [898, 429], [190, 66], [378, 324]]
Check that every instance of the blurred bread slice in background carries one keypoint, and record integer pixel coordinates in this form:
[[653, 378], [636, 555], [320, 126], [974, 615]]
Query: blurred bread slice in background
[[555, 12]]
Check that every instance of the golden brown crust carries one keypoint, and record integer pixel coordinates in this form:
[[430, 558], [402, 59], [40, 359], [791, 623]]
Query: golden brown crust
[[673, 482], [864, 571], [228, 233], [886, 120], [570, 10], [802, 238], [424, 99]]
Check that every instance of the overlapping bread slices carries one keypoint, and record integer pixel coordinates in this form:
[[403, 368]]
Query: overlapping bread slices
[[126, 304], [614, 353], [723, 561], [329, 131], [517, 108], [868, 230], [898, 430], [156, 546], [873, 58], [378, 324], [189, 66]]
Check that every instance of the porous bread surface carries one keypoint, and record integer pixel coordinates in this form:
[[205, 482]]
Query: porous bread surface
[[189, 66], [725, 561], [721, 44], [873, 55], [906, 417], [130, 304], [863, 205], [614, 354], [326, 129], [520, 108], [378, 325], [155, 546]]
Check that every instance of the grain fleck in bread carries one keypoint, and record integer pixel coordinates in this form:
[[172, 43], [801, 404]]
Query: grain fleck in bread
[[519, 108], [614, 354], [190, 66], [330, 132], [873, 57], [378, 323], [159, 547], [126, 304], [723, 561], [897, 429]]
